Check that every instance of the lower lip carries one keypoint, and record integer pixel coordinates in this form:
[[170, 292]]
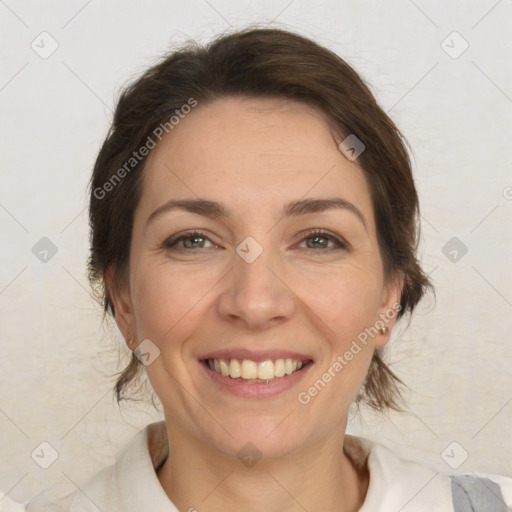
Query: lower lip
[[256, 389]]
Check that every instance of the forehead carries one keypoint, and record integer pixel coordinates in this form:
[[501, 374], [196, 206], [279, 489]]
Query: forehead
[[250, 152]]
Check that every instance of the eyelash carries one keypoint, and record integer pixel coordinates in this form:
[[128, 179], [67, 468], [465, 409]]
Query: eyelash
[[340, 245]]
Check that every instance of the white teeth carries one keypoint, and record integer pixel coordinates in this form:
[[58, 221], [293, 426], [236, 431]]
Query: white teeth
[[289, 366], [279, 370], [234, 369], [224, 368], [265, 370], [251, 370]]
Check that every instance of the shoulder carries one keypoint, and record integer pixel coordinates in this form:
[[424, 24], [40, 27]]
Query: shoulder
[[130, 484], [397, 483], [8, 505], [64, 497], [105, 490], [481, 491], [102, 491], [56, 498]]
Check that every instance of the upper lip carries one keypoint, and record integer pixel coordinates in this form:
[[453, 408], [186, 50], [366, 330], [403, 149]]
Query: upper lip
[[257, 356]]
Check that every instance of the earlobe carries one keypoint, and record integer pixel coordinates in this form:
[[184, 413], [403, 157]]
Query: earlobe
[[121, 300]]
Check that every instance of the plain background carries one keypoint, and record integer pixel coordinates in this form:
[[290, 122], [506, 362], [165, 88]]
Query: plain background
[[454, 107]]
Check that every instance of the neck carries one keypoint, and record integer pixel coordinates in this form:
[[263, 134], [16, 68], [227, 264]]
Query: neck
[[324, 476]]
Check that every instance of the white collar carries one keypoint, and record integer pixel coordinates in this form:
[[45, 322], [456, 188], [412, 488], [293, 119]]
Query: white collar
[[405, 485], [132, 484]]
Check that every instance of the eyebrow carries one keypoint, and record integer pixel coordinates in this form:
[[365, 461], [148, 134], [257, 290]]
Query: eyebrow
[[216, 210]]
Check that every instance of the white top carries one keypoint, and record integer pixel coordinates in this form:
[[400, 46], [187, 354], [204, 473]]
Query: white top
[[396, 484]]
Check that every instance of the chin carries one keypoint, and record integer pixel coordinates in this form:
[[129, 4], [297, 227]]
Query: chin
[[266, 438]]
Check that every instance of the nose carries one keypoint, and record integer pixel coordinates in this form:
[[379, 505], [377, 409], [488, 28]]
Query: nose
[[257, 294]]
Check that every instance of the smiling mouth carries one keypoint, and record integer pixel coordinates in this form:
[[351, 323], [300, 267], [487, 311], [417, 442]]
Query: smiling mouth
[[250, 371]]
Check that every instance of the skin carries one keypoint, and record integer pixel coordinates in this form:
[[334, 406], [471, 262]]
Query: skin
[[300, 294]]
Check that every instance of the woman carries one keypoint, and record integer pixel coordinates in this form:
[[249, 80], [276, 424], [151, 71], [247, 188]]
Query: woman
[[253, 232]]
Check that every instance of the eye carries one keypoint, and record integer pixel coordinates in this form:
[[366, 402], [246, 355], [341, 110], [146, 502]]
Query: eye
[[317, 235], [190, 240]]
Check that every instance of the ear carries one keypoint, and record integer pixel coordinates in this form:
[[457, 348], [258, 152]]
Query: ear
[[124, 316], [389, 308]]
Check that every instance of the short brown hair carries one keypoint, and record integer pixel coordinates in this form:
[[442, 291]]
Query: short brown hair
[[264, 63]]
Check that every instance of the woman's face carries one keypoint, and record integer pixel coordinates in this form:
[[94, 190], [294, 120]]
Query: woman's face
[[255, 284]]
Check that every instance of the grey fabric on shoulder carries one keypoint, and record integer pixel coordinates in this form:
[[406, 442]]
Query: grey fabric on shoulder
[[475, 494]]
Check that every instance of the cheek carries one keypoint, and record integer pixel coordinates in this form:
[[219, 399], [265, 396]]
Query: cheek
[[167, 301], [346, 299]]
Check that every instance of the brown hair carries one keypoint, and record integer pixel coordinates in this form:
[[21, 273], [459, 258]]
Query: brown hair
[[257, 62]]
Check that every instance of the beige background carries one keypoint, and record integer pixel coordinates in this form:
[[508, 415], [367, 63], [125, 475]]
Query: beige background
[[456, 113]]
